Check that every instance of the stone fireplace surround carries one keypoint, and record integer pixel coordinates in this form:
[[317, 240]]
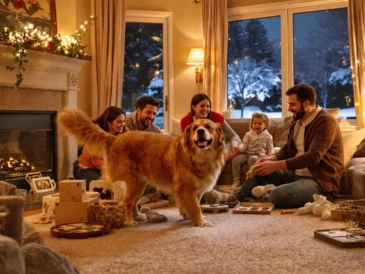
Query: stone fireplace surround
[[50, 83]]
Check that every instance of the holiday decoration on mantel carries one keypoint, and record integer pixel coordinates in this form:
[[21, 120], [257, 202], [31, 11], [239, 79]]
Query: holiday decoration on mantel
[[32, 37]]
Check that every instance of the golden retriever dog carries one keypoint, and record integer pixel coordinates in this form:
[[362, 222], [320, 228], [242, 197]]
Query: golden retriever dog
[[185, 165]]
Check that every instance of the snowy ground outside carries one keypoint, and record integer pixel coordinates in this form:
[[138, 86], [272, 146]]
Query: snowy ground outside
[[344, 113]]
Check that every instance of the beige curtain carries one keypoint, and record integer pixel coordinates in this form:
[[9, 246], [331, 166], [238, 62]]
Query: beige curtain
[[356, 18], [108, 35], [215, 35]]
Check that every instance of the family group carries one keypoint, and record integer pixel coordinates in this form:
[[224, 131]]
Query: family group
[[311, 161]]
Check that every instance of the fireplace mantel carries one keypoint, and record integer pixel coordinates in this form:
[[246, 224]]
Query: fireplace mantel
[[50, 83], [43, 70]]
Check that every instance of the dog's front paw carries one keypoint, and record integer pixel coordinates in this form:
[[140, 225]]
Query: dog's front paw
[[131, 223], [204, 224]]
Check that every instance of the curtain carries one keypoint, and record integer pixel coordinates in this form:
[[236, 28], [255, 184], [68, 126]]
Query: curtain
[[107, 47], [356, 26], [215, 35]]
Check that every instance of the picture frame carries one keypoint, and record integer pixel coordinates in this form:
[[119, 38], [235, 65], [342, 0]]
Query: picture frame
[[42, 184], [41, 13]]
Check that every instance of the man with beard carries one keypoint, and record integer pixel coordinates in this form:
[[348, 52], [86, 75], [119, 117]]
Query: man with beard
[[144, 115], [311, 162], [142, 119]]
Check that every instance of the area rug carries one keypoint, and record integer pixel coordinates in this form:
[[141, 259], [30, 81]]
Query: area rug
[[238, 243]]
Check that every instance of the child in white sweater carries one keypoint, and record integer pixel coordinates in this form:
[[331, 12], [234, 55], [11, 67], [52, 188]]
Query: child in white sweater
[[257, 143]]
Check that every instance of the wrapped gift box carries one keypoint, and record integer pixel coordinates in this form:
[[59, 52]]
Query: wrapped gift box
[[69, 212], [49, 204], [72, 190]]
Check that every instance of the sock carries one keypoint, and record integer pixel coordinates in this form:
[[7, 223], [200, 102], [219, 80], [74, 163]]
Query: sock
[[153, 216], [260, 191]]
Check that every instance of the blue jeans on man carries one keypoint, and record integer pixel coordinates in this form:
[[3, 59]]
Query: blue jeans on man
[[291, 190]]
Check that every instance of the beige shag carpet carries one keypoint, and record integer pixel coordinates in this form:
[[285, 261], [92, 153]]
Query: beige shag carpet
[[238, 243]]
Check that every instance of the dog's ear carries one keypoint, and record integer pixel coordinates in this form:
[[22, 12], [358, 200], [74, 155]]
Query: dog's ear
[[220, 133], [187, 134]]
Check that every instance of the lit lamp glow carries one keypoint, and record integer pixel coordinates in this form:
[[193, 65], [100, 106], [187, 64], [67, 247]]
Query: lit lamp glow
[[196, 58]]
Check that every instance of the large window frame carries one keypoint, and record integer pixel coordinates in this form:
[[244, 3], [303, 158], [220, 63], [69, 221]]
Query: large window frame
[[165, 18], [285, 10]]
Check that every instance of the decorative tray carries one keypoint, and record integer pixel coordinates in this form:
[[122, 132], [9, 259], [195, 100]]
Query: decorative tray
[[80, 230], [214, 208], [253, 208], [340, 237]]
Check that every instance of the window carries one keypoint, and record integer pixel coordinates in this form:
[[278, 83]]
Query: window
[[254, 66], [147, 61], [272, 47]]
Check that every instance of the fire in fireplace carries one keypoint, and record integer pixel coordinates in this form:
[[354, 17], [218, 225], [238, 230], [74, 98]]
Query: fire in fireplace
[[27, 144]]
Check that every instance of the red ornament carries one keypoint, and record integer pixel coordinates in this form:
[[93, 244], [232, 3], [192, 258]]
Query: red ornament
[[51, 46], [19, 4], [32, 1]]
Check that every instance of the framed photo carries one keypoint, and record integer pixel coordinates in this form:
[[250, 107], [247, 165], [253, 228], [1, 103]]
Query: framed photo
[[41, 13], [42, 184]]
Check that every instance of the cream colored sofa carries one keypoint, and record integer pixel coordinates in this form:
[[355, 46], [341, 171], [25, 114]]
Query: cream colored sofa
[[354, 177]]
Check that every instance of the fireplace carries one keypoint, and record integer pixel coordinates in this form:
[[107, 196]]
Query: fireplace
[[50, 84], [27, 144]]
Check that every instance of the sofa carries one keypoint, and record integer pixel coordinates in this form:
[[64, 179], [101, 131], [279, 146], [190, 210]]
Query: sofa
[[354, 176]]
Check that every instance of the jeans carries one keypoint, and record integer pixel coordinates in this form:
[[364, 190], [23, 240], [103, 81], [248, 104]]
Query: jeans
[[88, 174], [291, 190]]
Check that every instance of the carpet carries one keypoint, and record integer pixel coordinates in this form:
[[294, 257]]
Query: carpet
[[238, 243]]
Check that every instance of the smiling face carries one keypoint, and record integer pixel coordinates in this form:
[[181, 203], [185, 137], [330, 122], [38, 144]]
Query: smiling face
[[204, 134], [117, 125], [146, 116], [258, 125], [202, 109], [296, 107]]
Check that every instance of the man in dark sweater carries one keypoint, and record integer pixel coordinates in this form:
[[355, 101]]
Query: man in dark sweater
[[311, 162]]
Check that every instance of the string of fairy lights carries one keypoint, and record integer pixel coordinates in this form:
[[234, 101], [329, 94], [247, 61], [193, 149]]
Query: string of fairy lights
[[32, 37]]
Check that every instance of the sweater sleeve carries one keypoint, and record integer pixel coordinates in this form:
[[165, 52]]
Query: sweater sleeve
[[185, 121], [90, 161], [323, 133], [231, 135], [270, 146], [245, 141]]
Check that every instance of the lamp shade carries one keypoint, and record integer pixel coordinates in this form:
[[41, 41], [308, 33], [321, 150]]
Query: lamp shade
[[196, 56]]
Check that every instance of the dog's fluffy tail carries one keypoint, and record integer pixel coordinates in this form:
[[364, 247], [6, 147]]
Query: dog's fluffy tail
[[77, 124]]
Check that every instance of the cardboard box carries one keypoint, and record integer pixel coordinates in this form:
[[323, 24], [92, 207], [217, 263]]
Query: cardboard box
[[341, 214], [49, 204], [72, 190], [69, 212]]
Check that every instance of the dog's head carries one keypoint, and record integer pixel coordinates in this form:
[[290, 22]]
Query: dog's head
[[203, 134]]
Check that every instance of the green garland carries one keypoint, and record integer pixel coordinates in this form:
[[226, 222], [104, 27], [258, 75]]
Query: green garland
[[31, 37]]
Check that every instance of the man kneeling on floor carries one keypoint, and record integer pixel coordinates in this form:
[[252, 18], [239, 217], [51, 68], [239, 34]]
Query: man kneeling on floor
[[311, 162]]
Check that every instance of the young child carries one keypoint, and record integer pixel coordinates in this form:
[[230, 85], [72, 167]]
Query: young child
[[256, 144]]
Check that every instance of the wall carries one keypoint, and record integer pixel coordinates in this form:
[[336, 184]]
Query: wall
[[70, 15], [187, 33], [239, 3]]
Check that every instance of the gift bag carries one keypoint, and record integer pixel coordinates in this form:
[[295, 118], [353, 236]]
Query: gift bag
[[111, 213]]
